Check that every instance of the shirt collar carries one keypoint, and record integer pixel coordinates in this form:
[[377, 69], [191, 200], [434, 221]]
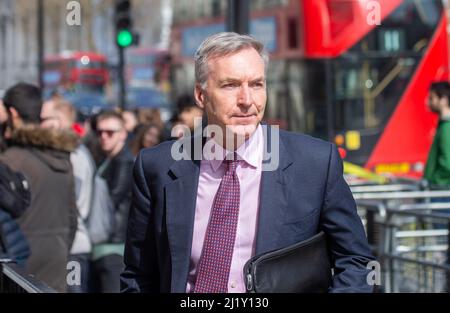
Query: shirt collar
[[249, 151]]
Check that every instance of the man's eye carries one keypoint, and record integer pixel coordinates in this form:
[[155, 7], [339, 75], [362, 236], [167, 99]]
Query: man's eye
[[258, 85], [229, 85]]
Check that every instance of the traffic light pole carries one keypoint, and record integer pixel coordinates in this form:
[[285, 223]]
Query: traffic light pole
[[125, 37], [121, 76], [238, 16]]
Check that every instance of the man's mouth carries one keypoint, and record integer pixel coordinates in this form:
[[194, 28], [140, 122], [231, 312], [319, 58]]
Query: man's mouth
[[244, 119], [244, 116]]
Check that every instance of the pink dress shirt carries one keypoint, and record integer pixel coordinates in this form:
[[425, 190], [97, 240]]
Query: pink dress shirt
[[249, 174]]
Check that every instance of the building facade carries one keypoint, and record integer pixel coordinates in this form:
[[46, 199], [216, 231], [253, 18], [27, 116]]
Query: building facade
[[18, 32]]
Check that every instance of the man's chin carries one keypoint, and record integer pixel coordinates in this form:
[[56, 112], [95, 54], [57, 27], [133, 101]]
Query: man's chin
[[242, 130]]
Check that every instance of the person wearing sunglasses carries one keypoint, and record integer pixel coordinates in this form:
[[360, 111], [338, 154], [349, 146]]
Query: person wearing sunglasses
[[117, 171]]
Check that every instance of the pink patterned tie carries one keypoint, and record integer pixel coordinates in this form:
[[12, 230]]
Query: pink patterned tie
[[215, 261]]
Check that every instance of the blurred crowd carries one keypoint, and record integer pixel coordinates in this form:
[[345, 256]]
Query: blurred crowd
[[65, 184]]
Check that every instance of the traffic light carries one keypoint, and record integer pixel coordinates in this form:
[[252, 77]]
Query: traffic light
[[125, 35], [124, 38]]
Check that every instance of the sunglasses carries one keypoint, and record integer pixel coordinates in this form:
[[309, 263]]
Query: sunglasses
[[109, 132]]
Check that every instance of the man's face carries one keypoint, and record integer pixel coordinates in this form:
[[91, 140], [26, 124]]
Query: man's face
[[3, 113], [188, 116], [49, 116], [151, 137], [111, 134], [435, 103], [235, 92], [130, 121]]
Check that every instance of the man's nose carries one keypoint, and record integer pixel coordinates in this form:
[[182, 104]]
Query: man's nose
[[245, 96]]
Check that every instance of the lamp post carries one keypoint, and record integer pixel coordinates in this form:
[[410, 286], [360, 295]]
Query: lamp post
[[238, 13]]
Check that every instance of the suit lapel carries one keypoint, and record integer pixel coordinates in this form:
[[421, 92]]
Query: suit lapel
[[273, 193], [181, 196]]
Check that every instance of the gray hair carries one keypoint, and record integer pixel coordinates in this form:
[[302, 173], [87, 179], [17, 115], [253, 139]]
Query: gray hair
[[222, 44]]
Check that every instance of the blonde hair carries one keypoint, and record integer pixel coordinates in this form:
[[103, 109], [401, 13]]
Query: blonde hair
[[66, 108]]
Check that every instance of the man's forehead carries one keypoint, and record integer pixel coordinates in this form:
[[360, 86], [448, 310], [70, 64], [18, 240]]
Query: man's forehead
[[247, 53], [110, 121], [245, 61], [49, 104], [48, 107]]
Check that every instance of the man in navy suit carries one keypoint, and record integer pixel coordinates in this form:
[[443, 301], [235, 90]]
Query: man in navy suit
[[203, 207]]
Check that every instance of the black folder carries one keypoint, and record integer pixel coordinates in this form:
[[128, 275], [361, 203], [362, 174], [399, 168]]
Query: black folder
[[300, 268]]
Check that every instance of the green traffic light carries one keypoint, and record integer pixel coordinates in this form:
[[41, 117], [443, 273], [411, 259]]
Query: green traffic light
[[124, 38]]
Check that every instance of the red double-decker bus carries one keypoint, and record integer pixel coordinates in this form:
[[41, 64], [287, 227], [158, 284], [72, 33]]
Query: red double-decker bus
[[78, 70], [369, 65]]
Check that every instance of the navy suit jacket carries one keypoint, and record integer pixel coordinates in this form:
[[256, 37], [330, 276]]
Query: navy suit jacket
[[304, 195]]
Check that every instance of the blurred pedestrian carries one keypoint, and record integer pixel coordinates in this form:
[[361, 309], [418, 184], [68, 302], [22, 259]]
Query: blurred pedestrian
[[91, 140], [117, 171], [43, 156], [58, 113], [147, 136], [4, 128], [189, 115], [150, 116], [130, 120], [183, 118], [3, 113], [185, 100], [131, 124], [14, 199], [437, 169]]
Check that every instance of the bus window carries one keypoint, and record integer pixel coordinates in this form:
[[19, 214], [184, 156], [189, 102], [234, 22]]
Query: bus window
[[314, 97], [367, 90], [90, 64]]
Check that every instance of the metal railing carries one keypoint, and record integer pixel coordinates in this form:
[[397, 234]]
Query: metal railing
[[384, 188], [14, 279], [401, 195], [413, 254]]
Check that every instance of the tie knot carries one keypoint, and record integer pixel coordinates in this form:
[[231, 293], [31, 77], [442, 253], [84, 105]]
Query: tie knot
[[231, 161]]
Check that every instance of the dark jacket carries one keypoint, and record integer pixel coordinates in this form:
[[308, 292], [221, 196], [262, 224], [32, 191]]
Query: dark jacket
[[50, 222], [304, 194], [13, 244], [118, 174], [14, 199]]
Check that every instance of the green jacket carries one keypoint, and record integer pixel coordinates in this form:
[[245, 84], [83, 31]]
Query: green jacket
[[437, 170]]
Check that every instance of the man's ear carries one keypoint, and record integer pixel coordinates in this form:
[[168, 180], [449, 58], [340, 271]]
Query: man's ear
[[13, 112], [199, 95], [15, 117]]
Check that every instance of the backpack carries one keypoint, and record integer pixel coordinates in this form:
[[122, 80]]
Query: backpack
[[14, 199], [14, 191], [13, 243], [100, 221]]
